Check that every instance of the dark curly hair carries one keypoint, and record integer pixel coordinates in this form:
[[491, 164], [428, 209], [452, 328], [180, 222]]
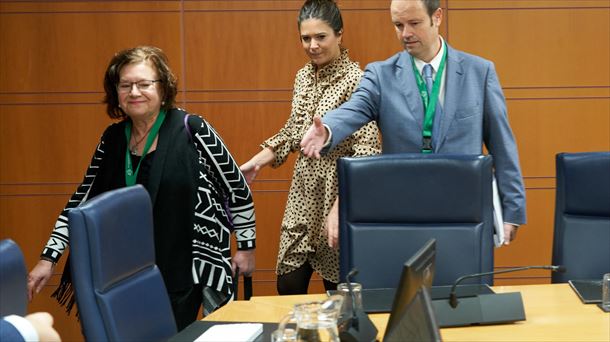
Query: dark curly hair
[[138, 54]]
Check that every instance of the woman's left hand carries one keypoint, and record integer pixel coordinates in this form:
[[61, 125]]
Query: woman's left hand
[[245, 260], [250, 171], [332, 225]]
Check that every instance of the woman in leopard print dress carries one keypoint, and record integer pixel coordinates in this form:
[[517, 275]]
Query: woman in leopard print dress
[[321, 85]]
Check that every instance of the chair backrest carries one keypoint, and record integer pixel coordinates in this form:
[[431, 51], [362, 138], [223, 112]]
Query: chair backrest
[[13, 280], [390, 205], [120, 292], [582, 216]]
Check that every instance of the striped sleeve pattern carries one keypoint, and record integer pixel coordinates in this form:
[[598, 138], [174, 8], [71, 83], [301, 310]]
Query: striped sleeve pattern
[[58, 242], [224, 206], [230, 181]]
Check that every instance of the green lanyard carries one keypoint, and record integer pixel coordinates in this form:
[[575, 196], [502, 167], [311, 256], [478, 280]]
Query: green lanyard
[[130, 175], [429, 100]]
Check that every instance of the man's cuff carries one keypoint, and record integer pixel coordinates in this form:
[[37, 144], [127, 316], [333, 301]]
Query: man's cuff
[[330, 137], [25, 328], [514, 224]]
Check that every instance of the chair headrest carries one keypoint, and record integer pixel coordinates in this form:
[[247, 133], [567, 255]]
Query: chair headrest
[[395, 180], [126, 243], [586, 177]]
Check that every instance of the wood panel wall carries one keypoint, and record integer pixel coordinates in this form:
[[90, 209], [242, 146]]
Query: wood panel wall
[[236, 62]]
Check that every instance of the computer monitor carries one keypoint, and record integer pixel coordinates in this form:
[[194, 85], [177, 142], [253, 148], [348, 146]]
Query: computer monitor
[[416, 323], [418, 271]]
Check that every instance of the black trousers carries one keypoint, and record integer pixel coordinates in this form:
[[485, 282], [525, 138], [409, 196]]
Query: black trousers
[[297, 281]]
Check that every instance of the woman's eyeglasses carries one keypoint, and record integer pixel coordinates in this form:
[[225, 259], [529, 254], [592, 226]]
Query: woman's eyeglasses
[[143, 85]]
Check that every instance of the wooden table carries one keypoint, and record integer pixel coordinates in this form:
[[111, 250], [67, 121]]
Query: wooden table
[[553, 313]]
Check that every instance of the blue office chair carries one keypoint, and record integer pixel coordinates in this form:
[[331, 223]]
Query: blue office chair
[[13, 280], [120, 293], [582, 216], [390, 205]]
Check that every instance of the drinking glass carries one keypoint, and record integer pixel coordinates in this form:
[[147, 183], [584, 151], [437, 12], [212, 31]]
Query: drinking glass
[[351, 303], [606, 292]]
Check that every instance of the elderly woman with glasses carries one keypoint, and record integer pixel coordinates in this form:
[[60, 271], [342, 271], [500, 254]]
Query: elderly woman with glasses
[[198, 197]]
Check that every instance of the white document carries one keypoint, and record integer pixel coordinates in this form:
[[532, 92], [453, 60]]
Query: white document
[[231, 332], [498, 219]]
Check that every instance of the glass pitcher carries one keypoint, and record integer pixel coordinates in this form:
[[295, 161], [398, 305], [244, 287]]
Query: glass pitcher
[[315, 321]]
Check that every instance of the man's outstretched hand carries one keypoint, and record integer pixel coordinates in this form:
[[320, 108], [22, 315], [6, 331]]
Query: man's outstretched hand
[[314, 139]]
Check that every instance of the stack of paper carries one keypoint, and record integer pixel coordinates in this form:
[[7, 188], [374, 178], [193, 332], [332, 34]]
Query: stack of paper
[[498, 220], [232, 332]]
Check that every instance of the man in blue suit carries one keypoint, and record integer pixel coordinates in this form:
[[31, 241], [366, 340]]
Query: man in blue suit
[[430, 98]]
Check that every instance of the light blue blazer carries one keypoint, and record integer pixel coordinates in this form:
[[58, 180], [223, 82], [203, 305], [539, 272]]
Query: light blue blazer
[[474, 114]]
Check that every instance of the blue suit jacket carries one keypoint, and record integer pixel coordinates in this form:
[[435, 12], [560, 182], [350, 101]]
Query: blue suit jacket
[[8, 332], [474, 113]]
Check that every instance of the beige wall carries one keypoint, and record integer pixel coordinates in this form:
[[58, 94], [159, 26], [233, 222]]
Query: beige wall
[[236, 62]]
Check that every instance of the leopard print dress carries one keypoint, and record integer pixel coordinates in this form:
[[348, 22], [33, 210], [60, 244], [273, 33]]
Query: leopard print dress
[[314, 182]]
